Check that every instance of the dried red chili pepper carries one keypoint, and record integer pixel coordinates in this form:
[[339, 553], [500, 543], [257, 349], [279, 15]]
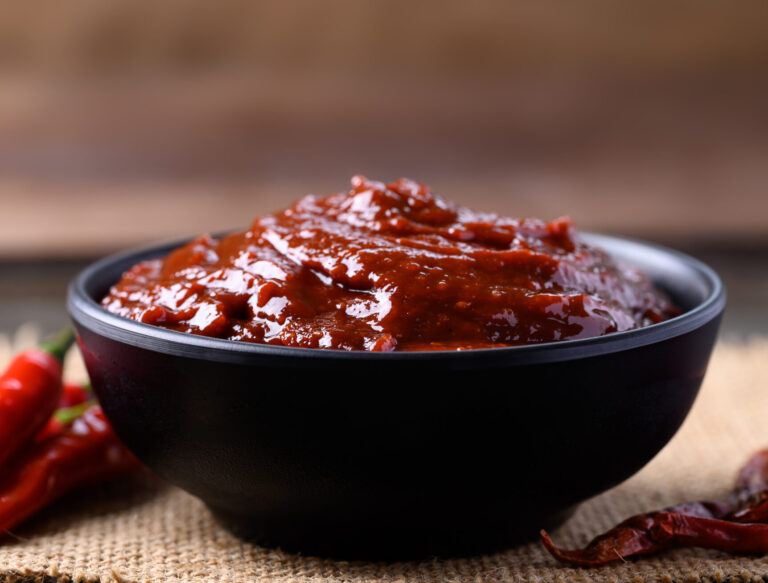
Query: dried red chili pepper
[[750, 495], [755, 513], [84, 453], [637, 535], [738, 527], [30, 389], [752, 479], [681, 530]]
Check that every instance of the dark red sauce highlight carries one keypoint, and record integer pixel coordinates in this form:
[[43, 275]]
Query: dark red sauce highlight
[[390, 267]]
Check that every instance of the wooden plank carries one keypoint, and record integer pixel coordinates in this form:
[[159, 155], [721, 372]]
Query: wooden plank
[[90, 168], [64, 220]]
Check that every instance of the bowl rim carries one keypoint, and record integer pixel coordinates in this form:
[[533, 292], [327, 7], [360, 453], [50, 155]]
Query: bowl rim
[[88, 313]]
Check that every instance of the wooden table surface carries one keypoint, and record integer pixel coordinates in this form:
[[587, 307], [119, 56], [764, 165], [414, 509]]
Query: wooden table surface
[[87, 168]]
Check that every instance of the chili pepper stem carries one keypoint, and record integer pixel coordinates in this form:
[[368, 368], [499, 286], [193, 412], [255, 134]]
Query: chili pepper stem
[[67, 415], [59, 345]]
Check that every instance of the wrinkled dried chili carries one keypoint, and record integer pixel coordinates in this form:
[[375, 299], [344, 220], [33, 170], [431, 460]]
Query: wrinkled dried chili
[[750, 495], [637, 535], [735, 527]]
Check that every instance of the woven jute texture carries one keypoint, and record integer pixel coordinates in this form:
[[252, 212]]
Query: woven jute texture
[[141, 530]]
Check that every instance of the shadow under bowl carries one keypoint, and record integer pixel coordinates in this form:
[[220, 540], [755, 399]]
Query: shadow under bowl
[[403, 454]]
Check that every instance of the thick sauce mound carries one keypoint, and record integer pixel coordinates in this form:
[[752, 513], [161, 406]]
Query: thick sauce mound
[[390, 267]]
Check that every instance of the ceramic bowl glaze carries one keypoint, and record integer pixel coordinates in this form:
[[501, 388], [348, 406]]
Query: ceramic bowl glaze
[[360, 454]]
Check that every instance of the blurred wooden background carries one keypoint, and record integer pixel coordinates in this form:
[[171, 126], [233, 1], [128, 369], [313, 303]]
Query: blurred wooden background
[[128, 122]]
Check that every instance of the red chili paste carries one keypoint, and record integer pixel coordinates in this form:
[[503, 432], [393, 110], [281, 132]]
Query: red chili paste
[[390, 267]]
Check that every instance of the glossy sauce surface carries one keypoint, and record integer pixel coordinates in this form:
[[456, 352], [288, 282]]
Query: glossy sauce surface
[[390, 267]]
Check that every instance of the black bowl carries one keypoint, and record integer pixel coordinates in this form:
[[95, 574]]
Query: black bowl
[[361, 454]]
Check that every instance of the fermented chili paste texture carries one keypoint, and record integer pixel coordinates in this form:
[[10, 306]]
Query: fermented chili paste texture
[[390, 267]]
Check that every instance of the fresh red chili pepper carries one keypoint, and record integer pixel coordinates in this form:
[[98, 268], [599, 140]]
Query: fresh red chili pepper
[[637, 535], [84, 453], [74, 395], [60, 419], [71, 402], [30, 389]]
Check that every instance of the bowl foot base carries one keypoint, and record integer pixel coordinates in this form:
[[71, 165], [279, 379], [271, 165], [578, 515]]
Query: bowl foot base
[[361, 541]]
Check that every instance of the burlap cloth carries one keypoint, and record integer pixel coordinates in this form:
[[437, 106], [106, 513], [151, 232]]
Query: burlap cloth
[[142, 530]]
